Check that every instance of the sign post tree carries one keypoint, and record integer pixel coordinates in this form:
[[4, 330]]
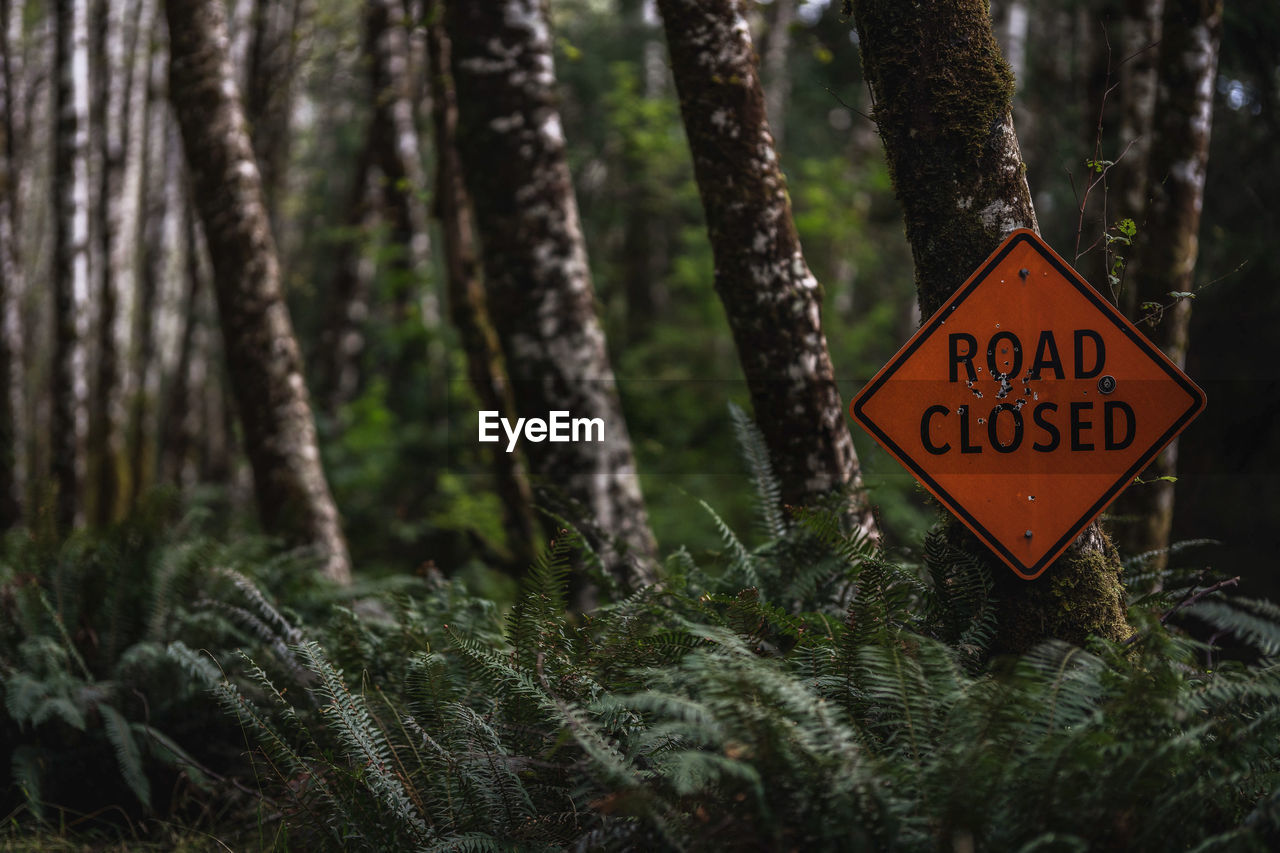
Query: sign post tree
[[942, 95]]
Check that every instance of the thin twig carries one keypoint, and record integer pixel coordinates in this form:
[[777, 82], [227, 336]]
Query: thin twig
[[841, 102], [1190, 599]]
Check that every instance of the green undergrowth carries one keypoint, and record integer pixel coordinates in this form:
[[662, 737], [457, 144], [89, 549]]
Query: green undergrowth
[[795, 690]]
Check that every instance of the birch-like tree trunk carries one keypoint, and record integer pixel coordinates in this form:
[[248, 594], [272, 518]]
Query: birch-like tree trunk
[[535, 264], [468, 306], [771, 298], [70, 255], [1168, 245], [11, 474], [262, 353], [942, 97]]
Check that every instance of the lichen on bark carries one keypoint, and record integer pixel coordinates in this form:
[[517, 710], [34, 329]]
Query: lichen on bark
[[942, 103]]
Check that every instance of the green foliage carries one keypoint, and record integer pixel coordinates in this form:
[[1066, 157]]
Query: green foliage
[[732, 706]]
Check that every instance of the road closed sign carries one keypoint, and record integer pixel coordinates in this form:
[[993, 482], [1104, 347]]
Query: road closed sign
[[1027, 403]]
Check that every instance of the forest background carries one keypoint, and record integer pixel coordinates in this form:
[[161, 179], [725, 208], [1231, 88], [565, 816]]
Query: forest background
[[161, 408], [364, 274]]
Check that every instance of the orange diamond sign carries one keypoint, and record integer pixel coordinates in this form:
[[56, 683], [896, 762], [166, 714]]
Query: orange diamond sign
[[1027, 403]]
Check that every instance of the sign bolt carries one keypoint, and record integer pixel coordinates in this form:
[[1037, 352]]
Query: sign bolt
[[1027, 534], [1024, 273], [1107, 384]]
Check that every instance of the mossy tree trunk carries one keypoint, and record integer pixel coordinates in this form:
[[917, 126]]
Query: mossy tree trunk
[[942, 97], [1166, 248], [262, 353], [468, 306], [535, 263], [771, 298]]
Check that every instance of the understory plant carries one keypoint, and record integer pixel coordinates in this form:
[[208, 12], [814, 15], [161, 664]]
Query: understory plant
[[804, 693]]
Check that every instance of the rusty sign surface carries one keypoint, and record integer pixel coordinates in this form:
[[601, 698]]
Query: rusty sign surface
[[1027, 403]]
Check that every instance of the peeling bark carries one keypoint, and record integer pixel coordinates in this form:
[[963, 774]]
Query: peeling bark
[[1167, 248], [771, 298], [535, 263], [70, 253], [262, 353], [468, 306], [942, 96]]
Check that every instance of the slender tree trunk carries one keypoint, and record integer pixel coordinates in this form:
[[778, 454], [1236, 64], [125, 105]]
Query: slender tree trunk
[[158, 155], [118, 34], [1140, 32], [399, 156], [342, 340], [468, 306], [777, 76], [942, 103], [770, 296], [11, 478], [177, 425], [70, 249], [644, 250], [276, 31], [535, 263], [262, 353], [1168, 247]]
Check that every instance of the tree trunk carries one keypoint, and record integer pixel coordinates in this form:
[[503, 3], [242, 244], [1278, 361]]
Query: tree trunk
[[342, 339], [275, 33], [1168, 246], [1140, 31], [262, 353], [777, 77], [942, 104], [467, 304], [771, 298], [70, 252], [398, 152], [11, 479], [535, 263], [177, 424]]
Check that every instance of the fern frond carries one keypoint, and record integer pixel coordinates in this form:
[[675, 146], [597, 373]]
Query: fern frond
[[768, 490], [128, 756]]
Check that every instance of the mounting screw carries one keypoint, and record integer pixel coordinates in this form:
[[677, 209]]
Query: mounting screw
[[1024, 273], [1027, 534], [1107, 384]]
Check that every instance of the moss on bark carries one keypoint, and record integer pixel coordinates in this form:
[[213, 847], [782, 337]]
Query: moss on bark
[[942, 95]]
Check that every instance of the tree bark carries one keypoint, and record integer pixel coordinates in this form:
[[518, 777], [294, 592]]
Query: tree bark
[[70, 253], [276, 30], [771, 298], [1167, 248], [1140, 32], [942, 97], [398, 153], [262, 353], [11, 476], [468, 306], [535, 263], [777, 77], [342, 339]]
